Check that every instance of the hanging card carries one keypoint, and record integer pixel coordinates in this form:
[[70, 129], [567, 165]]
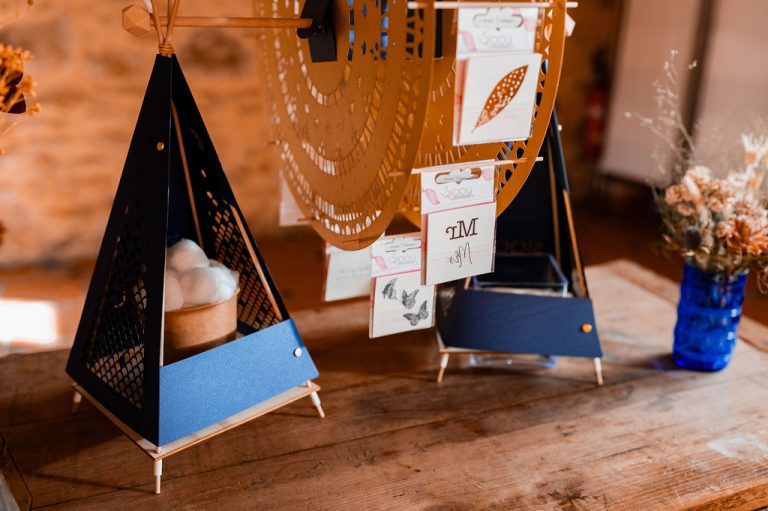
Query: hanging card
[[489, 31], [396, 254], [496, 30], [290, 213], [456, 186], [460, 243], [570, 25], [458, 221], [399, 303], [498, 98], [348, 273]]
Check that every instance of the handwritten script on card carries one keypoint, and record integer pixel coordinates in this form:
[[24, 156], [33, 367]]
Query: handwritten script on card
[[460, 243]]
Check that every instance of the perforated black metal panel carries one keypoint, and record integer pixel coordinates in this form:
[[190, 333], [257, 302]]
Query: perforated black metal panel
[[224, 233], [229, 246], [116, 353]]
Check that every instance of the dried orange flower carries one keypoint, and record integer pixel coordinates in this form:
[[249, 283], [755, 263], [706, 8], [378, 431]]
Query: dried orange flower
[[15, 88], [719, 224]]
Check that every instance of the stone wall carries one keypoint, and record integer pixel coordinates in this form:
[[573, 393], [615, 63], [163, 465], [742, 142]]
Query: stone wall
[[59, 174], [61, 168]]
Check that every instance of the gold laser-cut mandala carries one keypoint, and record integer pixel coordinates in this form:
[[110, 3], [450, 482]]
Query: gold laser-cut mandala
[[348, 131]]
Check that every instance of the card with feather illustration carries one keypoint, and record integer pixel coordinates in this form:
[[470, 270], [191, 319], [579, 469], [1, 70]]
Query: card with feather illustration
[[401, 304], [498, 98]]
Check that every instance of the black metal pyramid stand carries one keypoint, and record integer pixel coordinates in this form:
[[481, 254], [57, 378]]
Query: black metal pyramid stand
[[536, 301], [173, 187]]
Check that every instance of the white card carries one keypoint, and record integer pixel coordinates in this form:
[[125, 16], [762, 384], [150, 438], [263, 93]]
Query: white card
[[401, 304], [460, 243], [570, 24], [496, 30], [396, 254], [348, 274], [498, 98], [456, 187], [290, 213]]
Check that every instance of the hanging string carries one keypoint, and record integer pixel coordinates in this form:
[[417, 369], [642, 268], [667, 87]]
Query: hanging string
[[169, 31], [164, 39]]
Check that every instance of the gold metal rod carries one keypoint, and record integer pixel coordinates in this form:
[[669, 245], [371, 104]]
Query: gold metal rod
[[256, 263], [555, 209], [466, 164], [575, 245], [442, 4], [187, 177], [228, 22]]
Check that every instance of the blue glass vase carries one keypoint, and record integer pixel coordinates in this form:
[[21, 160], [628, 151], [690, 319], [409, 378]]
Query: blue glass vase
[[707, 319]]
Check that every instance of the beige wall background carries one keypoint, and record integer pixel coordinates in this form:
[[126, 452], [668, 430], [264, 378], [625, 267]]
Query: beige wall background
[[61, 168]]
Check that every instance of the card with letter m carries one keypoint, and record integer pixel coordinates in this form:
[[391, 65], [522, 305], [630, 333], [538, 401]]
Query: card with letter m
[[460, 243]]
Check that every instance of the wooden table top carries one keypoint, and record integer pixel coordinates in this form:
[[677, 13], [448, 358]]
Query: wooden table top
[[653, 437]]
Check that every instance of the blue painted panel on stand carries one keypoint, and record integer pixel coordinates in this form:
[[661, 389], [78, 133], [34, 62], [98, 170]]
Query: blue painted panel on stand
[[511, 323], [202, 390]]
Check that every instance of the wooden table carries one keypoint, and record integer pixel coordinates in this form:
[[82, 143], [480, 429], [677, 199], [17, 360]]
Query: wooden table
[[653, 437]]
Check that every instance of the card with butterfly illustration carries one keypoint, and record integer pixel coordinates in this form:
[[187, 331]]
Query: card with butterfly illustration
[[401, 304], [498, 98]]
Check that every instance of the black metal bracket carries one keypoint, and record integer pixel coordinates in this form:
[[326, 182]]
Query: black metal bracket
[[321, 34]]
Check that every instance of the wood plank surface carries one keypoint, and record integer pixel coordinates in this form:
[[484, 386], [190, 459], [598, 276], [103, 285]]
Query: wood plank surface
[[653, 437]]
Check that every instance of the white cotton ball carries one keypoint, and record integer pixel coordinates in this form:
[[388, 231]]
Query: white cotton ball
[[232, 277], [199, 285], [228, 282], [235, 277], [184, 255], [173, 297]]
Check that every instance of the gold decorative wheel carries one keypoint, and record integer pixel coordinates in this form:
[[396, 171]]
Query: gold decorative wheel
[[348, 131]]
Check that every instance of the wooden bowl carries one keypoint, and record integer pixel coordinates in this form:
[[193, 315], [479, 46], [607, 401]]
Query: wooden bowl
[[192, 330]]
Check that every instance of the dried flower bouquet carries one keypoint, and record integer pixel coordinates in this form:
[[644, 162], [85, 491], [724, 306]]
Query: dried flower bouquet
[[717, 220]]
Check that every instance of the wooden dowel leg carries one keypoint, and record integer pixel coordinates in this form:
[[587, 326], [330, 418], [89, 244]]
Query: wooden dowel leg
[[77, 398], [599, 370], [316, 401], [443, 366], [158, 475]]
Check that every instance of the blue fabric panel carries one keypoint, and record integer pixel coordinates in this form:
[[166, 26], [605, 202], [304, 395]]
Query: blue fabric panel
[[204, 389], [544, 325]]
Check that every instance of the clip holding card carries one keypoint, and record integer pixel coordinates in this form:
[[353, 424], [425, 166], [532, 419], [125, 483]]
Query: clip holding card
[[457, 176]]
